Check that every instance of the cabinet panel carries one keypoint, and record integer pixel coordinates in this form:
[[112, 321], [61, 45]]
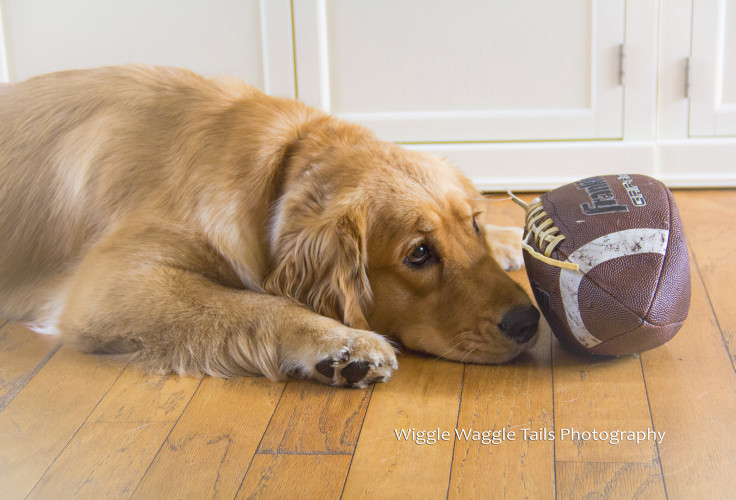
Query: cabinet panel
[[713, 69], [425, 71], [246, 38]]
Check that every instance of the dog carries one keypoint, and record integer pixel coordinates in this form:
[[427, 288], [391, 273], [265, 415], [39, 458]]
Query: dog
[[204, 227]]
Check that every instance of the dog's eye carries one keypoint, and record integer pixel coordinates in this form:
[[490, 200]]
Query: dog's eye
[[475, 226], [419, 255]]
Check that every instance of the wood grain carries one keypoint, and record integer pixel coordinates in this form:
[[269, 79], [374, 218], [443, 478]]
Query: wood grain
[[710, 226], [46, 414], [313, 418], [424, 395], [22, 354], [295, 477], [140, 397], [609, 480], [212, 444], [690, 384], [109, 455], [104, 460], [601, 394]]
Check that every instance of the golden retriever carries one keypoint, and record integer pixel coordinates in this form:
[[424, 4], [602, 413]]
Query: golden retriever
[[204, 227]]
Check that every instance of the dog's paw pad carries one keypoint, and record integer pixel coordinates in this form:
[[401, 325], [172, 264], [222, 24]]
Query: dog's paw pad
[[356, 371], [326, 368]]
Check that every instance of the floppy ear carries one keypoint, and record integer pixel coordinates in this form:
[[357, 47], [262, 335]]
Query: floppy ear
[[324, 266]]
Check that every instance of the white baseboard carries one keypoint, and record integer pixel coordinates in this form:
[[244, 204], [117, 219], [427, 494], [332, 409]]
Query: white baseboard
[[695, 163]]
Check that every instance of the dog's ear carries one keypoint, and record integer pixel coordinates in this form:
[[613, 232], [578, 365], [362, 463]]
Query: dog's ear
[[323, 264]]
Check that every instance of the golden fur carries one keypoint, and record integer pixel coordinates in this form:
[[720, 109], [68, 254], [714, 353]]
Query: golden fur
[[203, 226]]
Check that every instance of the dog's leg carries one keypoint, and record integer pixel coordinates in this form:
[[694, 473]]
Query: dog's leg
[[505, 243], [161, 297]]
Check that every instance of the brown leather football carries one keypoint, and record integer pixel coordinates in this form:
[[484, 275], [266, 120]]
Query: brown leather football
[[631, 289]]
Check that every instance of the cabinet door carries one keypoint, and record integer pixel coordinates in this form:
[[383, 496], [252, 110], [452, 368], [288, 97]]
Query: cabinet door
[[467, 70], [713, 69], [247, 38]]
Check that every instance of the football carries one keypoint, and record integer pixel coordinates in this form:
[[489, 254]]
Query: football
[[608, 263]]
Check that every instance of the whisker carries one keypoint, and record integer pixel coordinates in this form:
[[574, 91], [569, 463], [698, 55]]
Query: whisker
[[470, 332], [468, 353], [440, 356]]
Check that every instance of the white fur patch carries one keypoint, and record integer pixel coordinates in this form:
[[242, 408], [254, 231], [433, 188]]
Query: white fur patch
[[48, 320], [505, 243], [274, 229]]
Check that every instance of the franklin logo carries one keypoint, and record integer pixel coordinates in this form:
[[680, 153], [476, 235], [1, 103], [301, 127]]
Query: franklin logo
[[602, 199]]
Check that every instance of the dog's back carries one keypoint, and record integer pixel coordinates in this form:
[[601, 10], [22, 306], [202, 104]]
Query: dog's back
[[77, 150]]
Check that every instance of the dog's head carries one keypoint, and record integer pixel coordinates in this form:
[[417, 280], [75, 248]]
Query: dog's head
[[387, 239]]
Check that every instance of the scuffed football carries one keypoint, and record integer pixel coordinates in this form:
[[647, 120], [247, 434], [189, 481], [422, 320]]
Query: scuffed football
[[631, 289]]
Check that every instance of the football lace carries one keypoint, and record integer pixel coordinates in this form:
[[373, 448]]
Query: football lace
[[541, 227]]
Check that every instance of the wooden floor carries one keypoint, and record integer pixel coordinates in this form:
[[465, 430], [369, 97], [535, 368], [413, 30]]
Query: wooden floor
[[78, 425]]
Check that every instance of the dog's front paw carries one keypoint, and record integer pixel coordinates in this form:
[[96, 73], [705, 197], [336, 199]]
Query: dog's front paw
[[505, 243], [357, 358]]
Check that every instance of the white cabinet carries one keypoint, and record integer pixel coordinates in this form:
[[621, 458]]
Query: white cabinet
[[438, 71], [246, 38], [521, 93], [696, 88], [712, 67]]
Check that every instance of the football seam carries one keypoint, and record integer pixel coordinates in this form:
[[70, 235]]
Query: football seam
[[639, 326], [666, 255]]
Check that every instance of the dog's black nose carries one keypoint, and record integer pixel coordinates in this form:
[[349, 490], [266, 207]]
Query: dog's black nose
[[520, 324]]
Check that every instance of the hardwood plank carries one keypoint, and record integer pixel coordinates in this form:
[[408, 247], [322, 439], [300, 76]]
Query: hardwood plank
[[711, 231], [609, 480], [602, 395], [295, 476], [111, 452], [104, 460], [513, 397], [314, 418], [22, 354], [423, 395], [691, 382], [44, 416], [208, 452], [140, 397]]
